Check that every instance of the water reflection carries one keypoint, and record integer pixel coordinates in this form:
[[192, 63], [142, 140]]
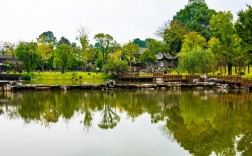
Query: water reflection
[[201, 121]]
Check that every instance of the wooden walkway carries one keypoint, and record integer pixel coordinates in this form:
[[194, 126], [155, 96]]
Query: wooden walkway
[[187, 79]]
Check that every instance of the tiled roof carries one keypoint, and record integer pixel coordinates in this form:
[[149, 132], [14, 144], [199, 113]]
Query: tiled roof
[[160, 56]]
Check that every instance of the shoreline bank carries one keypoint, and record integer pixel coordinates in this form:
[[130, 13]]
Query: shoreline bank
[[110, 85]]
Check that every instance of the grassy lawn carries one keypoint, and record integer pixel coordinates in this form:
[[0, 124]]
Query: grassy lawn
[[68, 75], [68, 78]]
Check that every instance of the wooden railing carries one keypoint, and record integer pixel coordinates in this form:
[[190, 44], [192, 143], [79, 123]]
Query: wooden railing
[[187, 78], [158, 75], [172, 78], [128, 75]]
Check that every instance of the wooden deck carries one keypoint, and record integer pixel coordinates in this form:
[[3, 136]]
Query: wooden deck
[[187, 79]]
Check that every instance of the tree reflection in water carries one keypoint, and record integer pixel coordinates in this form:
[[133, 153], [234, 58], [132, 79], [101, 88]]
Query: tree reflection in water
[[201, 121]]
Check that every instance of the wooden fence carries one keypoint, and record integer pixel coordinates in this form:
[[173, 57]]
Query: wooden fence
[[186, 78]]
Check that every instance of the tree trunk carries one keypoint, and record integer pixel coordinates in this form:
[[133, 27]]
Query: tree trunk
[[248, 68], [221, 70], [229, 68], [43, 67], [225, 69], [63, 70]]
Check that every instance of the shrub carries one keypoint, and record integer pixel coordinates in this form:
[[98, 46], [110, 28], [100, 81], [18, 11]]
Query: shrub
[[74, 75], [80, 77], [242, 73], [26, 76], [89, 73]]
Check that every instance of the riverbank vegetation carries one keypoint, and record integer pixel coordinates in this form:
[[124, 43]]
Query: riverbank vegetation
[[201, 39]]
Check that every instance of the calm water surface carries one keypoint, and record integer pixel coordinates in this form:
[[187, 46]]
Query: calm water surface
[[130, 123]]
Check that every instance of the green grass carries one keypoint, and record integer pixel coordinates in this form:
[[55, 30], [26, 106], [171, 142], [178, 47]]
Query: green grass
[[68, 78], [68, 75]]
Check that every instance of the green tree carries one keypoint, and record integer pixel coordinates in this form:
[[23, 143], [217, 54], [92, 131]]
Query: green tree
[[193, 56], [195, 16], [63, 57], [47, 38], [106, 44], [130, 50], [223, 29], [83, 33], [148, 57], [46, 52], [193, 40], [63, 40], [28, 54], [215, 47], [115, 64], [173, 36], [140, 43], [244, 30], [157, 46]]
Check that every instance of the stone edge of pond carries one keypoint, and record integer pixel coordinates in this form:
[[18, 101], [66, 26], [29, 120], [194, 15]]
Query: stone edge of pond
[[112, 86]]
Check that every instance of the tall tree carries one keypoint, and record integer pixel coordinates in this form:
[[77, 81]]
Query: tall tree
[[193, 56], [47, 38], [195, 16], [46, 52], [214, 45], [148, 57], [140, 43], [63, 57], [83, 33], [157, 46], [106, 44], [28, 54], [173, 36], [63, 40], [115, 64], [193, 40], [244, 30], [196, 60], [130, 50], [223, 29]]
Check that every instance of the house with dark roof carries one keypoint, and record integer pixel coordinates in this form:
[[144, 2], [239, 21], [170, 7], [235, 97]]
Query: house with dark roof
[[4, 58], [165, 61]]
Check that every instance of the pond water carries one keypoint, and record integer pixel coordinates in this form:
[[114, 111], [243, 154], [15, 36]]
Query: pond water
[[127, 123]]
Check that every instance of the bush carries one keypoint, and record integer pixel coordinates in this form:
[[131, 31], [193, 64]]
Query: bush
[[26, 76], [80, 77], [74, 75], [89, 73], [242, 73]]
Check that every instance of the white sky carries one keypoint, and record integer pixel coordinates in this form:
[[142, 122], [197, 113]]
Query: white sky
[[123, 19]]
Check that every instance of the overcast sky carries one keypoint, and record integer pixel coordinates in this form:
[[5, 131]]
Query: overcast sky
[[24, 20]]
